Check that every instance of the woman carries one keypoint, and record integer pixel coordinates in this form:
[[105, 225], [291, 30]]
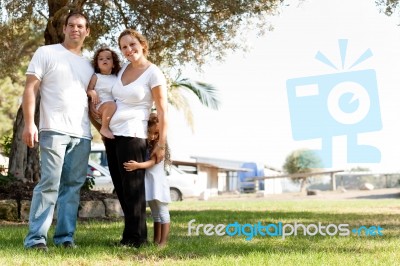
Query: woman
[[140, 84]]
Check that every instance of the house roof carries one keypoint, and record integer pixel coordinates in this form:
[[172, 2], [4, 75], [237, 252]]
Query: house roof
[[223, 164], [220, 167], [362, 173], [297, 175]]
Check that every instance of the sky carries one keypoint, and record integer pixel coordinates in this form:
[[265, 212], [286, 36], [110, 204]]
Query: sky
[[255, 123]]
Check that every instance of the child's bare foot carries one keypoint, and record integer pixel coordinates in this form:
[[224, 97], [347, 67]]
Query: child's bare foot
[[106, 133]]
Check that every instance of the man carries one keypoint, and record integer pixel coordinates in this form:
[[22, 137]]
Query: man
[[61, 74]]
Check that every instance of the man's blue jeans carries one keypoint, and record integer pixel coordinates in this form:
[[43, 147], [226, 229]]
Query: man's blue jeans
[[64, 162]]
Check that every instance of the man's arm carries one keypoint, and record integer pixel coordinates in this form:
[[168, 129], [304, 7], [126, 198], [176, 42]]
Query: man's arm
[[30, 134]]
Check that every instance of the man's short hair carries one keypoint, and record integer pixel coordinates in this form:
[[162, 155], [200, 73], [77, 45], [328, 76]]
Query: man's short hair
[[77, 13]]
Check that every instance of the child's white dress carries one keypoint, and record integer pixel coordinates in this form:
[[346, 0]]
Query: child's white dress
[[103, 88], [156, 183]]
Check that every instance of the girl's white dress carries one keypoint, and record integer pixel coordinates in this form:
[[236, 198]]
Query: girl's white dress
[[156, 183], [103, 88]]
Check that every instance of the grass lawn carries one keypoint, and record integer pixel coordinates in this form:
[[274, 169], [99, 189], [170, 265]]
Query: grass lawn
[[95, 238]]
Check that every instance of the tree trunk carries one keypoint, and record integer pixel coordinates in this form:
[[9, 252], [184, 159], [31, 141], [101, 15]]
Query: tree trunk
[[54, 29], [24, 163], [303, 184]]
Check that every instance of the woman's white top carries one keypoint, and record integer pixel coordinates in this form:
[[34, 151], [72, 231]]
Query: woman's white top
[[104, 86], [156, 183], [134, 102]]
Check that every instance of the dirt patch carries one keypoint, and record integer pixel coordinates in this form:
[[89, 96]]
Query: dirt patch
[[387, 193]]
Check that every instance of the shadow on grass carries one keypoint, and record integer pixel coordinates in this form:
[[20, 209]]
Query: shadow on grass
[[96, 238], [183, 246], [380, 196]]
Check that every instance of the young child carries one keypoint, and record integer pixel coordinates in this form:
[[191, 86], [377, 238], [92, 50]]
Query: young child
[[157, 188], [106, 66]]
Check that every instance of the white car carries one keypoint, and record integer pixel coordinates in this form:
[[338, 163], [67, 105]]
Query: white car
[[102, 177], [182, 185], [98, 154]]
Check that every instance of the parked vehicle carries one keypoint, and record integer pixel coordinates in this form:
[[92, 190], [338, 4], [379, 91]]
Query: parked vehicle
[[98, 155], [182, 185], [102, 177], [255, 170]]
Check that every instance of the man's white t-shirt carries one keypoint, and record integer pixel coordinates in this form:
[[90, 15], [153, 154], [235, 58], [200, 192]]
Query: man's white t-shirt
[[134, 102], [64, 80]]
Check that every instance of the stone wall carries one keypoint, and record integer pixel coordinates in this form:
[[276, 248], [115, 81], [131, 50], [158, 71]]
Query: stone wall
[[13, 210]]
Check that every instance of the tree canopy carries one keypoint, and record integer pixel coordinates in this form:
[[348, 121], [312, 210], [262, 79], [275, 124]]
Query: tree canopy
[[302, 161], [179, 32], [389, 7], [10, 95]]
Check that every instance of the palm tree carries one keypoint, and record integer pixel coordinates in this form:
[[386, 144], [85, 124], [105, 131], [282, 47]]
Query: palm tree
[[181, 88]]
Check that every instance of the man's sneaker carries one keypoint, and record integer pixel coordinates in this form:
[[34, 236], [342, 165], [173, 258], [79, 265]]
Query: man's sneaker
[[39, 246], [69, 244]]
